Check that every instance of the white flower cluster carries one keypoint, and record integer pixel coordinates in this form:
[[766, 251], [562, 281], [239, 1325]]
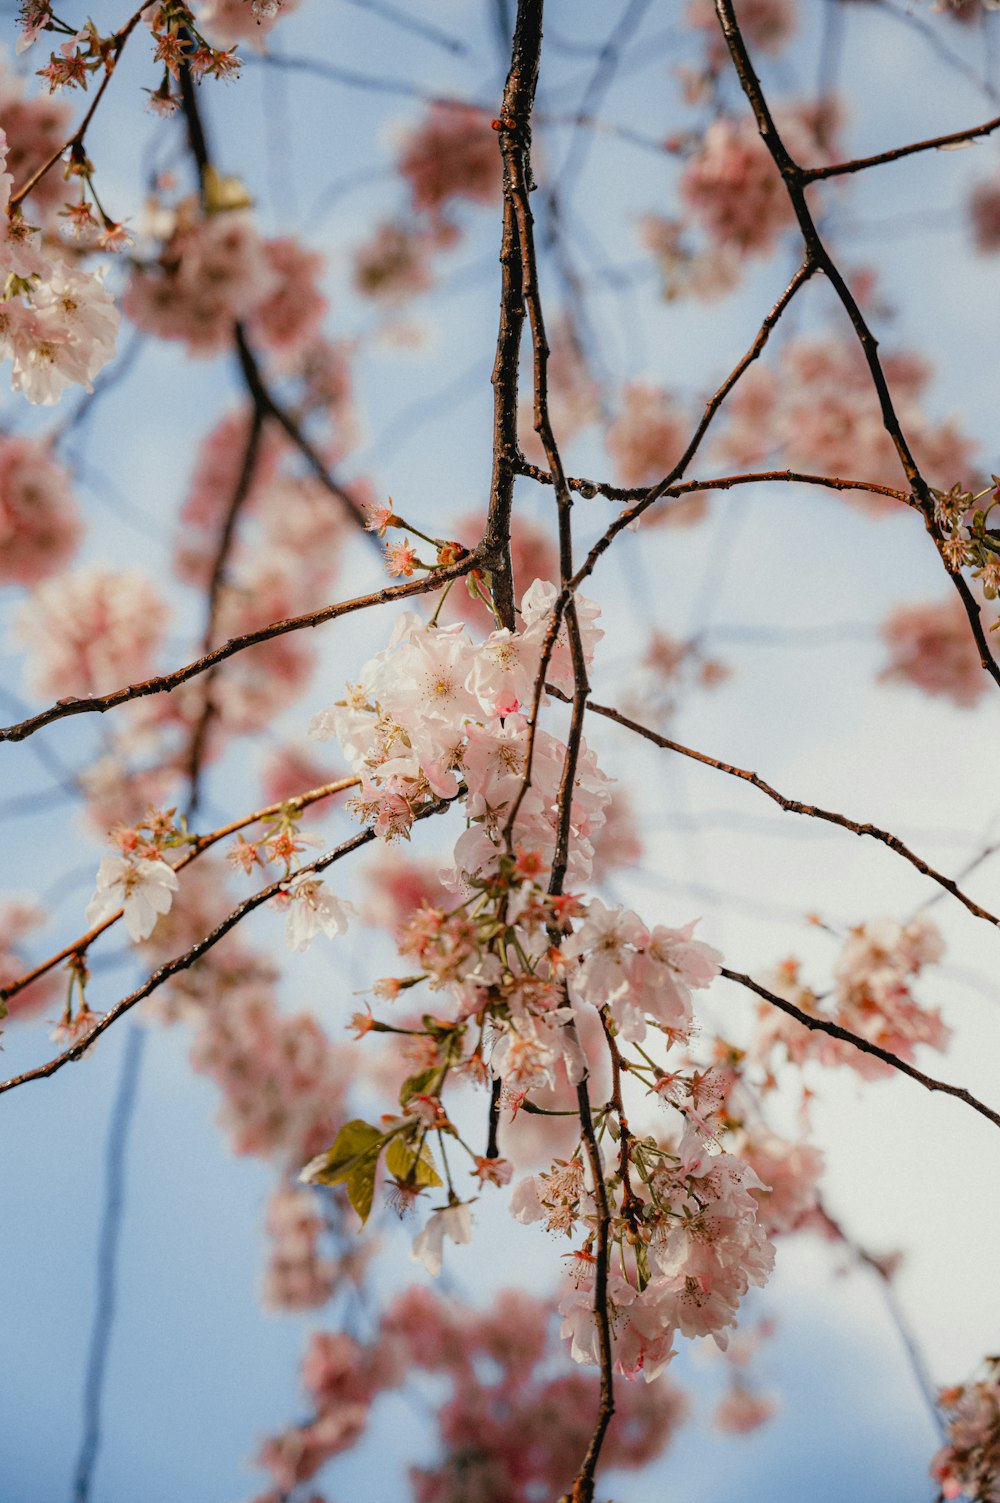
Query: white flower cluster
[[57, 326]]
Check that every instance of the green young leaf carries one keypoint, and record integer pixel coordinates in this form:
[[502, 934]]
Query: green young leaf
[[401, 1160], [642, 1265], [355, 1142], [416, 1085], [361, 1184]]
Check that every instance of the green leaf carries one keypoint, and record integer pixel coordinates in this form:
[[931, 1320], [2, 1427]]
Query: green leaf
[[416, 1085], [402, 1161], [355, 1142], [642, 1265], [361, 1184]]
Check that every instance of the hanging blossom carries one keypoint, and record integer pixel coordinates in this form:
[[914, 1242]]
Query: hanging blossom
[[968, 1465], [518, 978], [58, 326], [138, 879]]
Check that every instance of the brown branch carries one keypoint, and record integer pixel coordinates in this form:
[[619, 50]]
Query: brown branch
[[183, 962], [937, 143], [515, 140], [165, 683], [201, 843], [591, 488], [268, 404], [653, 493], [583, 1485], [75, 142], [825, 1025], [796, 180], [227, 535], [794, 806]]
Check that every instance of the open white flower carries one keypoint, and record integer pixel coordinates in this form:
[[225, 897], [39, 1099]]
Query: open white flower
[[142, 887], [313, 907], [454, 1222]]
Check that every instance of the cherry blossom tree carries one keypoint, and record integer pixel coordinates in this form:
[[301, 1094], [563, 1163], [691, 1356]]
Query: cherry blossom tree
[[377, 801]]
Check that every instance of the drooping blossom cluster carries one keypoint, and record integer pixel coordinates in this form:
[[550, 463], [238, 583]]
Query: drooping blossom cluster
[[814, 409], [40, 525], [968, 1464], [58, 325], [931, 648], [214, 270], [435, 710], [512, 1426], [691, 1246], [873, 998]]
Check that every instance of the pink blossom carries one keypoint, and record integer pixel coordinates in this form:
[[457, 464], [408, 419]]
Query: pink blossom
[[39, 523], [743, 1410], [453, 1222], [91, 630], [226, 22], [454, 154], [144, 888], [931, 647], [312, 908], [394, 264]]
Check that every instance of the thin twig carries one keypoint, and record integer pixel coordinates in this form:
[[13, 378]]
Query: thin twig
[[834, 1030], [199, 845], [165, 683], [794, 806]]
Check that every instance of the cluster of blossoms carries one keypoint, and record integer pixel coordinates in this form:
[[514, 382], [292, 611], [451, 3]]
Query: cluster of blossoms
[[58, 326], [435, 712], [815, 409], [669, 669], [732, 187], [968, 1465], [40, 524], [873, 999], [214, 270], [454, 154], [437, 717], [138, 881], [511, 1428], [645, 442], [690, 1245], [930, 647]]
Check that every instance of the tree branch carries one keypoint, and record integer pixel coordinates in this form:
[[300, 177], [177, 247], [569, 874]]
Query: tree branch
[[825, 1025]]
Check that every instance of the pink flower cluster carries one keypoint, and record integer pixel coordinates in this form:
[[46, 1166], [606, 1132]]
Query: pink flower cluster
[[874, 999], [968, 1465], [816, 410], [732, 186], [931, 647], [297, 1276], [638, 973], [645, 442], [511, 1428], [433, 705], [454, 154], [18, 917], [702, 1247], [214, 271], [227, 22], [58, 326], [283, 1082], [40, 525], [91, 630]]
